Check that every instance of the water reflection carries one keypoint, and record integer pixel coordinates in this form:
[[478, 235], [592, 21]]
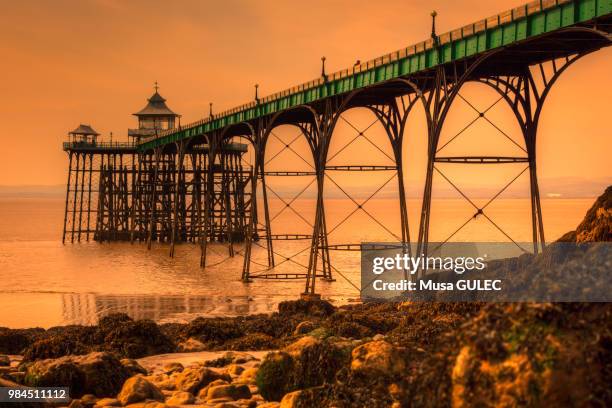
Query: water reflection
[[87, 308]]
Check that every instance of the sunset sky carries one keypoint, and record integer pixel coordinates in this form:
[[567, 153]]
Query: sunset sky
[[95, 61]]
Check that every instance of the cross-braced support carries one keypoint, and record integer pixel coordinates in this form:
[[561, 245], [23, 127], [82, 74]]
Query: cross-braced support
[[392, 114], [525, 92], [263, 132]]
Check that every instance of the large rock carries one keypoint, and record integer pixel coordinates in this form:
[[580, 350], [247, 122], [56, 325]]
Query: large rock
[[317, 361], [181, 398], [235, 369], [137, 389], [307, 398], [108, 402], [274, 377], [98, 373], [317, 308], [133, 366], [234, 392], [230, 357], [248, 376], [191, 345], [597, 223], [133, 339], [291, 400], [309, 362], [304, 327], [148, 404], [173, 367], [378, 357], [162, 381], [216, 330], [195, 378], [15, 341], [62, 341]]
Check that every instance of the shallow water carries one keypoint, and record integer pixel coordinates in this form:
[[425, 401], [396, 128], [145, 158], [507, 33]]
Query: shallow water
[[44, 283]]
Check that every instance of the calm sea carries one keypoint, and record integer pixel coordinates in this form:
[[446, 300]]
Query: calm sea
[[44, 283]]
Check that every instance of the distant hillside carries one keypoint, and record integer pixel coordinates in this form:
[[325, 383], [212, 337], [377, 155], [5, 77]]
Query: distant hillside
[[57, 191]]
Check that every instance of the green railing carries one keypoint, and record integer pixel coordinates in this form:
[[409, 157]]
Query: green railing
[[81, 145], [520, 23]]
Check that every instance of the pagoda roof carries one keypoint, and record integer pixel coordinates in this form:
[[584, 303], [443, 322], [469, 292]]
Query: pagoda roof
[[85, 130], [156, 107]]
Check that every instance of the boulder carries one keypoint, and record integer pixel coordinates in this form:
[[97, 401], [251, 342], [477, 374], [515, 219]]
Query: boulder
[[4, 360], [291, 400], [195, 378], [108, 402], [76, 403], [234, 392], [226, 404], [248, 376], [235, 369], [352, 330], [147, 404], [307, 398], [181, 398], [191, 345], [133, 367], [97, 373], [309, 353], [378, 357], [215, 330], [137, 389], [133, 339], [15, 341], [304, 327], [89, 400], [173, 367], [295, 349], [59, 342], [253, 341], [229, 357], [204, 391], [308, 362], [239, 357], [317, 308], [274, 376], [162, 381]]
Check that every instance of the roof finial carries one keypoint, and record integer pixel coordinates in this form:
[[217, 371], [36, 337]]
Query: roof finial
[[256, 94], [210, 112], [323, 68], [433, 26], [156, 86]]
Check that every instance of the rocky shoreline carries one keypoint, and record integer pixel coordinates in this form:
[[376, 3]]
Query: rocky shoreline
[[313, 354], [373, 355]]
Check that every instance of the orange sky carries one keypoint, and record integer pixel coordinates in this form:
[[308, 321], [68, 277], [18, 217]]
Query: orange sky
[[65, 62]]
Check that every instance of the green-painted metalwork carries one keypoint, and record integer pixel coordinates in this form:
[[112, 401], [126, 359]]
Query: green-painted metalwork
[[508, 28]]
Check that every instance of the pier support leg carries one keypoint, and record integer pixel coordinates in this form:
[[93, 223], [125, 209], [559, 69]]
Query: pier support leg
[[153, 199], [178, 187], [66, 205]]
